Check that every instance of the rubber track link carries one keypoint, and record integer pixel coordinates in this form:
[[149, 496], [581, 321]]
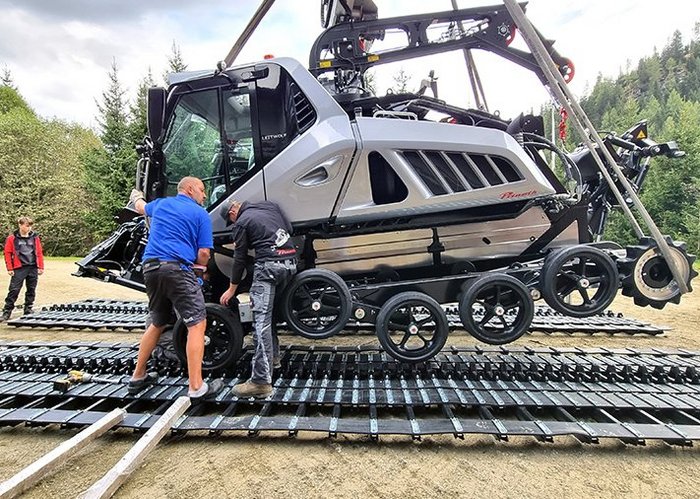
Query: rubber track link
[[630, 395], [131, 315]]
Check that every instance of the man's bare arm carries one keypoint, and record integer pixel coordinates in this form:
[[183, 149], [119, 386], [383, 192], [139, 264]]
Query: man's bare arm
[[203, 255]]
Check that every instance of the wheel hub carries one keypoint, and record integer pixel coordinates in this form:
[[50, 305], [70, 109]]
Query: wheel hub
[[207, 341], [652, 275], [316, 306], [499, 310], [413, 329], [584, 283]]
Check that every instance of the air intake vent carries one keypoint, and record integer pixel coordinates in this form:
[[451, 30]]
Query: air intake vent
[[305, 114], [450, 172]]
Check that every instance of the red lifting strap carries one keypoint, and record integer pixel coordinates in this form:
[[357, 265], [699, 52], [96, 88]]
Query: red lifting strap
[[562, 123]]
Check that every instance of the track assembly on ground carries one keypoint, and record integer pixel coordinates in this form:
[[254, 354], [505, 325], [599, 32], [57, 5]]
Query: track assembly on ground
[[627, 394], [131, 315]]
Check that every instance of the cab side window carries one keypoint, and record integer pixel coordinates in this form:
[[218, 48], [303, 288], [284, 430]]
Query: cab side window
[[238, 133]]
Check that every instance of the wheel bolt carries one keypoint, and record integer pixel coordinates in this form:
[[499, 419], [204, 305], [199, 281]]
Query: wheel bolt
[[316, 306]]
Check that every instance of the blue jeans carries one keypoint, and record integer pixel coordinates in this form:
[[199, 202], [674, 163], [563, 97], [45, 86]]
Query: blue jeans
[[268, 279]]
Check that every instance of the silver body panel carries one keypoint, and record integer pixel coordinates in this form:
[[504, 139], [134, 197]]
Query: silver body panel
[[389, 136], [465, 242], [324, 175], [310, 177]]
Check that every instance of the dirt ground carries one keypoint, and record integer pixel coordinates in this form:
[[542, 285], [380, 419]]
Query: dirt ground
[[316, 466]]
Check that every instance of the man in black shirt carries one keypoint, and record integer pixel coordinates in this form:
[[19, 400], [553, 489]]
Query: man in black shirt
[[262, 227]]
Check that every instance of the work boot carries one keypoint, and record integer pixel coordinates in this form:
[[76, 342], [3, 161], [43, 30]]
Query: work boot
[[251, 389]]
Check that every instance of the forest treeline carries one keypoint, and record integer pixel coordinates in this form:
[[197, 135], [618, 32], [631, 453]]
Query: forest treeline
[[73, 180], [70, 179]]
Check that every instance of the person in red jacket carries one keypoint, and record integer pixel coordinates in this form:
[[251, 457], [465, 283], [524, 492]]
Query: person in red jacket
[[24, 260]]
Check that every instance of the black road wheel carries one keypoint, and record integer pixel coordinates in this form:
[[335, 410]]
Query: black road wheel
[[317, 304], [647, 277], [412, 327], [223, 339], [496, 308], [579, 281]]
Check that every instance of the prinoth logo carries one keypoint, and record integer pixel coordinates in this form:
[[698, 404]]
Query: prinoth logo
[[516, 195]]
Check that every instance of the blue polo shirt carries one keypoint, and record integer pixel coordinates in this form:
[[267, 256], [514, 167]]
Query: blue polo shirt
[[179, 227]]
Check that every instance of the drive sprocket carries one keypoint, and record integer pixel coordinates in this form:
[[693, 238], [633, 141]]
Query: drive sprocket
[[646, 276]]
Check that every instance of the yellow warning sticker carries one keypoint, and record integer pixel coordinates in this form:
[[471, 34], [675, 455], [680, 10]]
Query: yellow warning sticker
[[325, 64], [641, 135], [372, 58]]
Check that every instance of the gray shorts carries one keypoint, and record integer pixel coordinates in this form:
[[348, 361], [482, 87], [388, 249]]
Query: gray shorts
[[171, 288]]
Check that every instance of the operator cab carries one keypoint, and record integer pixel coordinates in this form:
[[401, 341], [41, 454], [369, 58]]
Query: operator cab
[[224, 129]]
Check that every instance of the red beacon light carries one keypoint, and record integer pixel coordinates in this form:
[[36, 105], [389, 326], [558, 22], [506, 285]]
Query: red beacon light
[[268, 56]]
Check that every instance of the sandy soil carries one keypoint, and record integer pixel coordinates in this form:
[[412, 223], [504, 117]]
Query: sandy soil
[[316, 466]]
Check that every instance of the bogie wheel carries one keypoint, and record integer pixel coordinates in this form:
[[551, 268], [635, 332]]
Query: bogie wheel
[[646, 274], [412, 327], [579, 281], [317, 304], [496, 308], [223, 339]]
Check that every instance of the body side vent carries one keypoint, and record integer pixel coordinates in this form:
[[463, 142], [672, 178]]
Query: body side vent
[[450, 172], [304, 111]]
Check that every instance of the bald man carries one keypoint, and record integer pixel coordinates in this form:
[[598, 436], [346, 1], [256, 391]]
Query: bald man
[[180, 237]]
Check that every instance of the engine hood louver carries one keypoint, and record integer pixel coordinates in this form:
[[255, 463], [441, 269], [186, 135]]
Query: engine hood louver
[[449, 172]]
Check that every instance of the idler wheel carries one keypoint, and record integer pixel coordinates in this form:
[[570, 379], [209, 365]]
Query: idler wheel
[[223, 339], [496, 308], [412, 327], [579, 281], [647, 277], [317, 304]]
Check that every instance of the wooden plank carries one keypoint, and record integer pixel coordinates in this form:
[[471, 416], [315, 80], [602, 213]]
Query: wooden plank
[[30, 475], [114, 478]]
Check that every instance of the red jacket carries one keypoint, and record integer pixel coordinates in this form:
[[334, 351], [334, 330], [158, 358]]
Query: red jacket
[[12, 261]]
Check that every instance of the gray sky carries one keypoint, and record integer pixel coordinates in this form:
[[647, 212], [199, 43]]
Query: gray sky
[[60, 51]]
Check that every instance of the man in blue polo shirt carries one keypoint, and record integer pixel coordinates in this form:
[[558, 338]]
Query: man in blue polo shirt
[[180, 237]]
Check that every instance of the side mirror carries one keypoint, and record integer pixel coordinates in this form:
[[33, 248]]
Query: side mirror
[[156, 112]]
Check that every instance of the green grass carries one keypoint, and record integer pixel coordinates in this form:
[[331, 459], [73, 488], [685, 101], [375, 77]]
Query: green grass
[[63, 258]]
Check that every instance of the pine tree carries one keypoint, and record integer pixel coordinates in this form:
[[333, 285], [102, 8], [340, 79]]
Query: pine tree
[[138, 111], [112, 116], [176, 63], [110, 172], [6, 78], [401, 81]]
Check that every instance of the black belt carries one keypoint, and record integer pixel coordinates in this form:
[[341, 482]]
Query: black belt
[[155, 263], [158, 260]]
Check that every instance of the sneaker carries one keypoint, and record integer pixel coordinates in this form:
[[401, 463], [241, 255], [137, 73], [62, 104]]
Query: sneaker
[[28, 311], [250, 389], [5, 316], [136, 385], [213, 388]]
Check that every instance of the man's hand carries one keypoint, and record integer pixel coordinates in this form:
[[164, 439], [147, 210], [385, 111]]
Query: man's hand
[[136, 195], [41, 271], [10, 272], [228, 294]]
